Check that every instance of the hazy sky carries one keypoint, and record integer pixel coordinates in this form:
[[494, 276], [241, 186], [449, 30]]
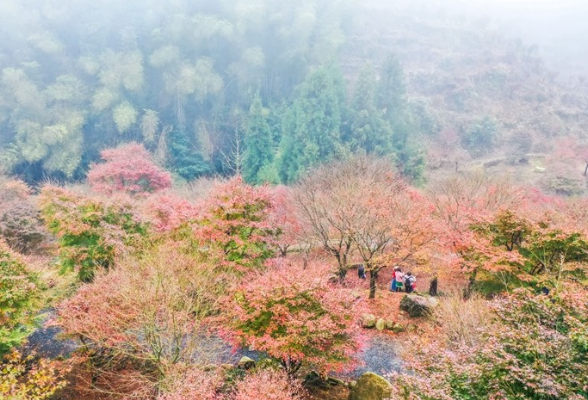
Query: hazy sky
[[558, 27]]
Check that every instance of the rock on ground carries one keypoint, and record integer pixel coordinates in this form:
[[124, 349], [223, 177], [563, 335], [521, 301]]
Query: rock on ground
[[368, 320], [371, 386], [417, 306], [381, 324]]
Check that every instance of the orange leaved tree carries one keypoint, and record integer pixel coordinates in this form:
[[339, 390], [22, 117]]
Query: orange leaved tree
[[295, 315], [362, 205]]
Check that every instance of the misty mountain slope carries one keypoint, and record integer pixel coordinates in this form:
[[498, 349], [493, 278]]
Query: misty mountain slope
[[461, 74]]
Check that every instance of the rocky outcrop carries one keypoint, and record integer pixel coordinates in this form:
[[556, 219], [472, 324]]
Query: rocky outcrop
[[246, 363], [417, 306]]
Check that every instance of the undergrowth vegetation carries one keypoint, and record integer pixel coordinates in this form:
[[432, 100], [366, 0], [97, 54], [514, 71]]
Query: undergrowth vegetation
[[155, 289]]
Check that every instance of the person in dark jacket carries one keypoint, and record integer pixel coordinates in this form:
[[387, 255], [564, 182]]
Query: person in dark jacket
[[361, 271], [409, 282]]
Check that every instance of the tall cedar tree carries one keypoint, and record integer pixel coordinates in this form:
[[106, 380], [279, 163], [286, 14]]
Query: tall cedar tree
[[311, 132], [259, 148], [369, 130], [391, 99], [185, 159]]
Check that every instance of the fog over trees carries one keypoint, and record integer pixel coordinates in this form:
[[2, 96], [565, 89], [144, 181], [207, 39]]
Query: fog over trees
[[293, 200], [198, 83]]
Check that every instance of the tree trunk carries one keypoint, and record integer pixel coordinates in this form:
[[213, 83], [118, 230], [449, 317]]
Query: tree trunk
[[342, 261], [433, 287], [291, 366], [373, 281], [472, 281]]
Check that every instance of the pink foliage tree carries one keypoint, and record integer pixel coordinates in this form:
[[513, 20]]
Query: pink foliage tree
[[283, 217], [128, 168], [269, 384], [168, 212], [195, 383], [234, 225], [297, 316]]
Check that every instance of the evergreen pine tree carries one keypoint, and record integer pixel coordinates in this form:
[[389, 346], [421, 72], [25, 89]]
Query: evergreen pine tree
[[312, 130], [259, 147], [391, 98], [185, 160], [369, 130]]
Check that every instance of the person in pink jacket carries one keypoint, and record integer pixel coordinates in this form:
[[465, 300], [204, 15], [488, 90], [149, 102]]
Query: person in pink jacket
[[397, 279]]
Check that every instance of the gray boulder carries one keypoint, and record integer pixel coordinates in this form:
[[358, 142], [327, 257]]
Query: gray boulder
[[417, 306], [370, 386]]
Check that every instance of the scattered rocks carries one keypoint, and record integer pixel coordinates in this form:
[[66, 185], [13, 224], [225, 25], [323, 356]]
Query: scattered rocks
[[417, 306], [370, 386], [380, 324], [397, 328], [368, 321]]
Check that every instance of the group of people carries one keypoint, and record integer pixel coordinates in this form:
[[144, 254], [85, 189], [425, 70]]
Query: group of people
[[400, 280]]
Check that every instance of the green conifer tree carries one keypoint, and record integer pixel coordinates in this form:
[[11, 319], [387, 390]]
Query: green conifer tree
[[259, 147], [184, 158], [391, 99], [312, 128], [369, 130]]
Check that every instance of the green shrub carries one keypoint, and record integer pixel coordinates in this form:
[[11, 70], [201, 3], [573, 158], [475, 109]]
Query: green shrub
[[18, 291], [91, 234]]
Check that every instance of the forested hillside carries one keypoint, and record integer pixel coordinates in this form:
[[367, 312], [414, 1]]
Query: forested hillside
[[252, 87], [269, 90]]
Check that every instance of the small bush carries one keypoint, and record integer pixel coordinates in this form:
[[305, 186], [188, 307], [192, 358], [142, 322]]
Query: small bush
[[18, 291], [21, 380], [462, 320], [21, 227], [269, 384], [91, 234], [194, 383]]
